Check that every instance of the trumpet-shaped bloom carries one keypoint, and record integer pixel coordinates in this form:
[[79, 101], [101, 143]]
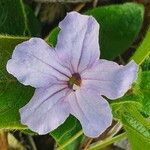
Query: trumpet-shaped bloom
[[70, 78]]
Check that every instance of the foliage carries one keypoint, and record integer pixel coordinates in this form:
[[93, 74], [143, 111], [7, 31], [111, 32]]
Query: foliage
[[17, 19], [120, 25], [129, 109]]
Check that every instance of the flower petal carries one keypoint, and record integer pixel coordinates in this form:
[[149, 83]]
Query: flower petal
[[46, 110], [78, 44], [35, 63], [91, 110], [110, 79]]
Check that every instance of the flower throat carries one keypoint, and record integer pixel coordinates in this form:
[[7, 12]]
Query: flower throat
[[74, 81]]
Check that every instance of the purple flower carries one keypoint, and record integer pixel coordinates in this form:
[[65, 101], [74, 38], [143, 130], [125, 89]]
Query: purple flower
[[70, 78]]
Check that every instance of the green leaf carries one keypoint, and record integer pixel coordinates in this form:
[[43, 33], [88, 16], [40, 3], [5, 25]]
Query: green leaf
[[136, 126], [17, 19], [52, 37], [146, 64], [145, 88], [65, 132], [33, 24], [13, 95], [119, 27], [138, 129], [137, 140], [143, 51], [128, 110]]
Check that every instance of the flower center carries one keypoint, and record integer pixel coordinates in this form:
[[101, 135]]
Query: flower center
[[74, 81]]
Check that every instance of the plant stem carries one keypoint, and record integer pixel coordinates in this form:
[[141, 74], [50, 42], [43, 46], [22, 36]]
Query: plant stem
[[88, 144], [143, 50], [3, 140], [107, 142], [70, 140], [32, 142]]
